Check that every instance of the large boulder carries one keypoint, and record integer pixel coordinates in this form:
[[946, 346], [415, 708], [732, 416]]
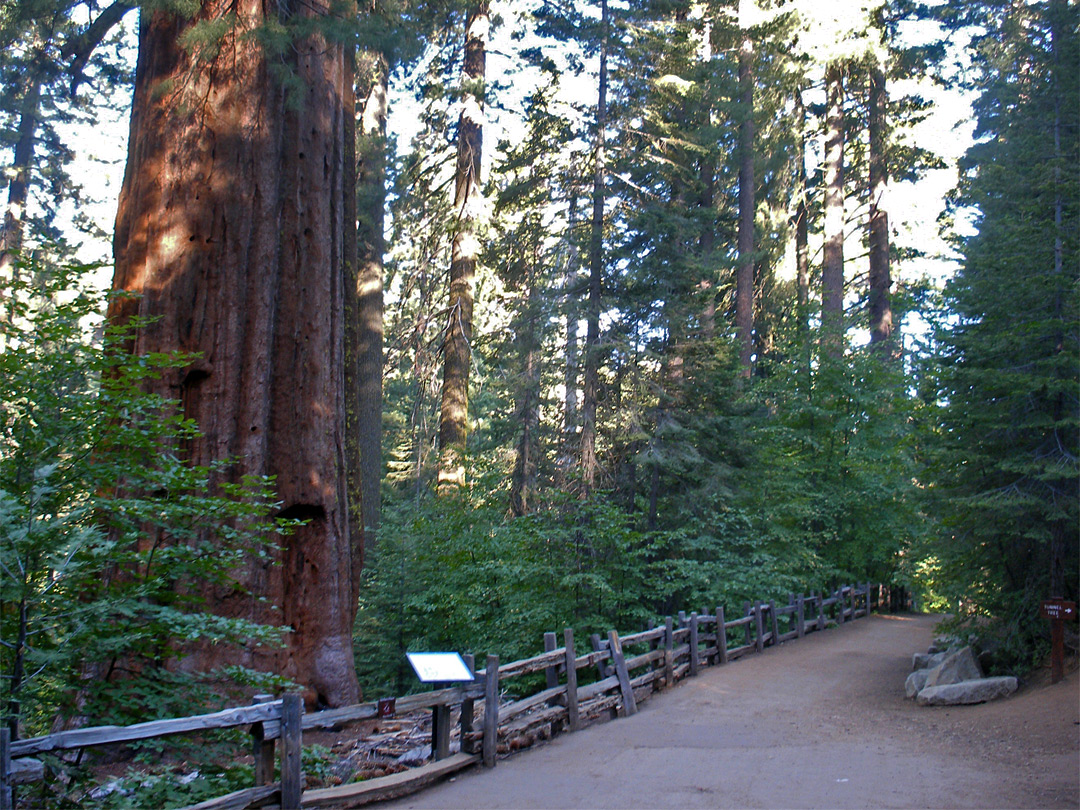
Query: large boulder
[[927, 660], [915, 682], [977, 691], [956, 667]]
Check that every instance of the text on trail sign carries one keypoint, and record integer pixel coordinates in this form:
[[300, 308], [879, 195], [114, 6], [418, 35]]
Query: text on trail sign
[[439, 667], [1058, 609]]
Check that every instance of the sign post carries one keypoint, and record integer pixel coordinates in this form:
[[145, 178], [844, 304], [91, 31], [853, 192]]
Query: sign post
[[1058, 611], [440, 669]]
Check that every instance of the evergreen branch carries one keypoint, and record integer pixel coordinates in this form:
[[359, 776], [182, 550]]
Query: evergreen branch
[[81, 48]]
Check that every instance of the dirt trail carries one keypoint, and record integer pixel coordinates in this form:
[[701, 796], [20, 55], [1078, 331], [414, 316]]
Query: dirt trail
[[816, 723]]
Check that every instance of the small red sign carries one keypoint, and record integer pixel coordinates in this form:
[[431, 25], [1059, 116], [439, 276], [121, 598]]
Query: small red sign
[[387, 707], [1058, 609]]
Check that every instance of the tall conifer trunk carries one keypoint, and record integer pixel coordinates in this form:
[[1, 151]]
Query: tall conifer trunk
[[832, 271], [454, 411], [591, 395], [744, 279], [802, 244], [523, 483], [881, 324], [571, 369], [364, 384], [232, 229]]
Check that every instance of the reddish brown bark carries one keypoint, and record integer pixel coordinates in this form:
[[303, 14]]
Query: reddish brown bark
[[232, 228]]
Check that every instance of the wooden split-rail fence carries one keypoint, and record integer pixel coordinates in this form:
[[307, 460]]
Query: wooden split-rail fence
[[628, 669]]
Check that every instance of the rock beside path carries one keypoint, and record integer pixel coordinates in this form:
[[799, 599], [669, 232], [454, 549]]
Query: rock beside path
[[953, 678], [964, 692], [956, 667], [915, 682], [921, 661]]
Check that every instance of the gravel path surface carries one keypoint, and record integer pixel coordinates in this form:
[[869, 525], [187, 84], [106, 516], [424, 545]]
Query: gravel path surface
[[817, 723]]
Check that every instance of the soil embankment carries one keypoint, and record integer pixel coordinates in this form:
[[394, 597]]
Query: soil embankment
[[817, 723]]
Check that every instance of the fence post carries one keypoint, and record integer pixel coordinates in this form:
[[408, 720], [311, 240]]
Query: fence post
[[654, 644], [694, 658], [800, 616], [748, 610], [629, 703], [468, 711], [491, 710], [774, 622], [821, 610], [573, 718], [721, 635], [292, 709], [602, 669], [262, 749], [7, 797], [854, 602], [440, 730], [669, 652], [551, 674], [840, 605], [759, 627]]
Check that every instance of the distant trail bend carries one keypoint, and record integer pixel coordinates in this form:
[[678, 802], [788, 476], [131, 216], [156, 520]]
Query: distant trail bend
[[817, 723]]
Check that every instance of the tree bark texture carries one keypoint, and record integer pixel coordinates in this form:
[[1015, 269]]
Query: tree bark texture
[[744, 277], [231, 228], [591, 395], [832, 271], [881, 324], [454, 411], [365, 384]]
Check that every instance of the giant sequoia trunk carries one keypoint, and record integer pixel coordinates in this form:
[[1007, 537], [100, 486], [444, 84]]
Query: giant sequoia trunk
[[454, 411], [232, 230]]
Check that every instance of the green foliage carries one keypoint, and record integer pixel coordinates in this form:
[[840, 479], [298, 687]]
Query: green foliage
[[459, 574], [835, 467], [1005, 455], [109, 541]]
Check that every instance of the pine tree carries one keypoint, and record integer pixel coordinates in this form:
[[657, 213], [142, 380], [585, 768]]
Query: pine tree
[[46, 57], [1009, 436], [457, 345]]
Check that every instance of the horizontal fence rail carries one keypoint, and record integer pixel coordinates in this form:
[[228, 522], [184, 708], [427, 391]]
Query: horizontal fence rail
[[628, 670]]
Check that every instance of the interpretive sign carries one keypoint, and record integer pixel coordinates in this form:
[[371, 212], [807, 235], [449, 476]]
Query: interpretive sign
[[1058, 609], [439, 667]]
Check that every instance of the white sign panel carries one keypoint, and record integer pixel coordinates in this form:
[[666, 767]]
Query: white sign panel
[[433, 667]]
